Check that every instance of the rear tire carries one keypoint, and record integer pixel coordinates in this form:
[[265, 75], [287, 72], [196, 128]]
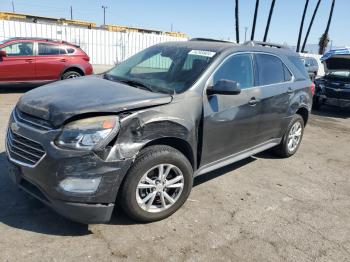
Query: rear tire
[[148, 196], [292, 138], [71, 74]]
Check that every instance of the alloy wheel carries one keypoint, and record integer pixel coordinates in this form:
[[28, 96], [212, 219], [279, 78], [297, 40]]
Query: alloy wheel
[[159, 188]]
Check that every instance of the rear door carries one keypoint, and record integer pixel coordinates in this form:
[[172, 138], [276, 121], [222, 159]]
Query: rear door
[[51, 61], [231, 121], [19, 64], [275, 81]]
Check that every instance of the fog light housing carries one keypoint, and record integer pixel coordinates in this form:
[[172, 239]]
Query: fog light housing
[[80, 185]]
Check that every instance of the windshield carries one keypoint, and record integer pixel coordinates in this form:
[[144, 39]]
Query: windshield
[[344, 74], [167, 69]]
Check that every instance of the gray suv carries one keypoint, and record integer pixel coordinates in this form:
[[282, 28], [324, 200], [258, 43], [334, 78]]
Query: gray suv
[[139, 134]]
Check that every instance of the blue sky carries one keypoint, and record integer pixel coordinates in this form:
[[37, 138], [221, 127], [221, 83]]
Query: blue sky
[[200, 18]]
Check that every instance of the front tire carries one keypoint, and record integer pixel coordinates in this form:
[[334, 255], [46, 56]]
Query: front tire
[[292, 138], [157, 185]]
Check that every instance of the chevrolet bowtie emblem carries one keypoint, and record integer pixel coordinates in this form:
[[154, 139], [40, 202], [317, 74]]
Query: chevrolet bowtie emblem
[[14, 127]]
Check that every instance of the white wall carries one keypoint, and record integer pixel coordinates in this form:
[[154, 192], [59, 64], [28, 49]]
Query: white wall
[[103, 47]]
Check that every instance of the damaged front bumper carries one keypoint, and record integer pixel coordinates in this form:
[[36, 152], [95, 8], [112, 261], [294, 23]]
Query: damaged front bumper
[[38, 166]]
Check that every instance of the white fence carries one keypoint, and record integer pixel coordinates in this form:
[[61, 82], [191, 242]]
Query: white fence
[[103, 47]]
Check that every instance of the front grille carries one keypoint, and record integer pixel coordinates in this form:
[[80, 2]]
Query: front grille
[[23, 150], [31, 121]]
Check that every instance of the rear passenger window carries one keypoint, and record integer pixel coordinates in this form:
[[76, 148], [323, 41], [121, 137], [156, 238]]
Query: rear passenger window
[[271, 70], [238, 68], [49, 49]]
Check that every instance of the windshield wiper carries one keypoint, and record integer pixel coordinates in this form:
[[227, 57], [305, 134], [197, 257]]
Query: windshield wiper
[[135, 84]]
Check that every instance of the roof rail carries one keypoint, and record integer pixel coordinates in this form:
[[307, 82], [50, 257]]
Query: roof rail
[[255, 43], [211, 40], [43, 39]]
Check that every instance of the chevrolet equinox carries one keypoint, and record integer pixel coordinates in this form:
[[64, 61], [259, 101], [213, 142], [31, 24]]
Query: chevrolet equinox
[[139, 134]]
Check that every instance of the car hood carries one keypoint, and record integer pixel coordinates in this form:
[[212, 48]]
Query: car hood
[[337, 63], [59, 101]]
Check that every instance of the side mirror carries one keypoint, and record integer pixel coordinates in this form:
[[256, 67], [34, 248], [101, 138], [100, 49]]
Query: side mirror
[[224, 87], [3, 54]]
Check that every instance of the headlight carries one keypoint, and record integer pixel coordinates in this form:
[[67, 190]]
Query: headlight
[[89, 134]]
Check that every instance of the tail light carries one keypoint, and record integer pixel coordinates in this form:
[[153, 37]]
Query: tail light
[[86, 58], [312, 88]]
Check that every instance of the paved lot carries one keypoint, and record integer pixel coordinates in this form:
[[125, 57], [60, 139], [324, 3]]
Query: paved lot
[[261, 209]]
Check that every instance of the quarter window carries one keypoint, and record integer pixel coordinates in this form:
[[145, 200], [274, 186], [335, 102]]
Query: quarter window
[[238, 68], [19, 49], [271, 70]]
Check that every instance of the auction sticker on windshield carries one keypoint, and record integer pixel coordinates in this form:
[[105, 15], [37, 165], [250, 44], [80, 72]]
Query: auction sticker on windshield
[[202, 53]]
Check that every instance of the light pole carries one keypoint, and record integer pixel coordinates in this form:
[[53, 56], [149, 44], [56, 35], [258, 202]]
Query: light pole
[[104, 14], [13, 6], [245, 33]]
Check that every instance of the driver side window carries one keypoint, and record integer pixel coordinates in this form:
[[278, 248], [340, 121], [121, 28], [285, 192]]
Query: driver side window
[[19, 49], [238, 68]]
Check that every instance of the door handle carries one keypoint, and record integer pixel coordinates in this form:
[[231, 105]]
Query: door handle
[[253, 101], [290, 90], [29, 60], [63, 60]]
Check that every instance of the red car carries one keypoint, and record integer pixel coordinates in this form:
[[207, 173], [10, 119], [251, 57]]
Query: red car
[[41, 60]]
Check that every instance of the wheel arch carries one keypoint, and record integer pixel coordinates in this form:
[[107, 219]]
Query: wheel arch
[[304, 113], [179, 144], [75, 68]]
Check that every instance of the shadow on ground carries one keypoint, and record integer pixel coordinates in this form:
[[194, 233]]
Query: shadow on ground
[[333, 111], [17, 88], [20, 210]]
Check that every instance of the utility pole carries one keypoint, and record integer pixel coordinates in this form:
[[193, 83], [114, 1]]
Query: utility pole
[[104, 14], [245, 33], [13, 6], [71, 13], [171, 27]]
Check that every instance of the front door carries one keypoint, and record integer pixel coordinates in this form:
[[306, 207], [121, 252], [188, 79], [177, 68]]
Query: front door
[[19, 64], [231, 121]]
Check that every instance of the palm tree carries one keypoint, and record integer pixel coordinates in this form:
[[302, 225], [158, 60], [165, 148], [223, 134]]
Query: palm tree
[[324, 38], [310, 26], [254, 21], [269, 19], [237, 21], [302, 24]]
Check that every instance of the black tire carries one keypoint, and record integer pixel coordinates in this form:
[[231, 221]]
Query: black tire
[[282, 149], [317, 103], [147, 159], [71, 74]]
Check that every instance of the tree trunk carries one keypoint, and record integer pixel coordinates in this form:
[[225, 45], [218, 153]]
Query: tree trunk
[[269, 20], [254, 21], [310, 26], [324, 40], [237, 21], [302, 25]]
